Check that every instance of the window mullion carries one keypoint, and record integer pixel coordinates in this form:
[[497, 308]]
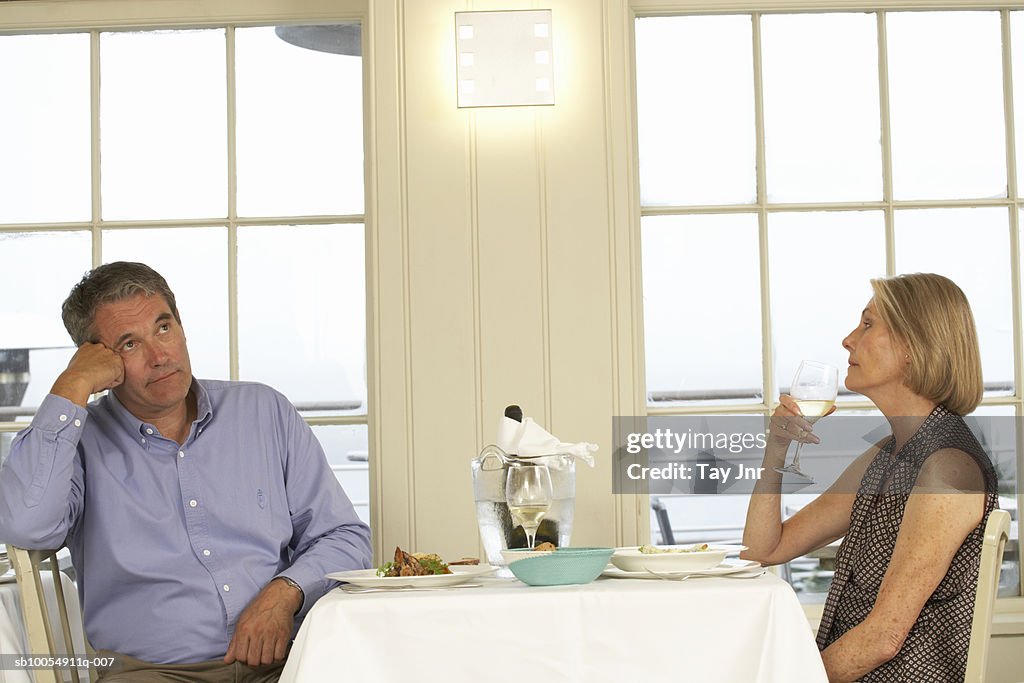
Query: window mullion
[[94, 134], [232, 206], [1008, 109], [767, 363], [1014, 208], [886, 134]]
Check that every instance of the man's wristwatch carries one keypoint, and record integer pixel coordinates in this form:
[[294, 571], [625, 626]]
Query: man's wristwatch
[[296, 586]]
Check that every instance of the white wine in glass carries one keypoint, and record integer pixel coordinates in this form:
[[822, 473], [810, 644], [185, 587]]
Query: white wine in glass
[[814, 410], [528, 494], [814, 390]]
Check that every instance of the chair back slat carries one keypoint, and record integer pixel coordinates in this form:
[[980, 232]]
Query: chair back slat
[[997, 530], [28, 567], [62, 611]]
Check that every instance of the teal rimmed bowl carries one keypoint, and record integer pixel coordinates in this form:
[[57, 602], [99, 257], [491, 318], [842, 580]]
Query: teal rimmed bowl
[[563, 567]]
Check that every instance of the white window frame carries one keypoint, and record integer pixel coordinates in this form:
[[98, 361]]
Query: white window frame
[[96, 16]]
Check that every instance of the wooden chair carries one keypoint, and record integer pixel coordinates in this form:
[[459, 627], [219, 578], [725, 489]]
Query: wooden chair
[[29, 566], [997, 530]]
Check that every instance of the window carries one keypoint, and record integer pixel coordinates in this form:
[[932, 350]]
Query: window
[[786, 159], [225, 157]]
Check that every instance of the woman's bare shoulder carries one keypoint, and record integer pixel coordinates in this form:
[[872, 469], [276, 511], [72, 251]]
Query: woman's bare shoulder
[[949, 470]]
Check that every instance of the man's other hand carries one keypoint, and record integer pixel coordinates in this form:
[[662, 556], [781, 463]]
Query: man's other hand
[[265, 627], [93, 368]]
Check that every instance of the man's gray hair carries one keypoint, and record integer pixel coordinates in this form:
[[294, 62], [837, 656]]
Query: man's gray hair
[[106, 284]]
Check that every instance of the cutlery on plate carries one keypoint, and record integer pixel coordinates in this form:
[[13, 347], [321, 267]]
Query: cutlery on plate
[[745, 575], [351, 588], [668, 577], [748, 574]]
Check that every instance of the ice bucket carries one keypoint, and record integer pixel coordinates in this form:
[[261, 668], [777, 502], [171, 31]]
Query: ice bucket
[[496, 530]]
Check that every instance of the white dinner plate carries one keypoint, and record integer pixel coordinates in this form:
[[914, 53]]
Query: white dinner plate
[[729, 548], [673, 558], [367, 578], [724, 569]]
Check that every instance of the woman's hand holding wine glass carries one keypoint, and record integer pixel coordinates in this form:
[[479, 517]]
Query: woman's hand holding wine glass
[[814, 392]]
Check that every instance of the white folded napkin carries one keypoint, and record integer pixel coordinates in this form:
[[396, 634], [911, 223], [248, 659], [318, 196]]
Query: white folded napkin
[[527, 438]]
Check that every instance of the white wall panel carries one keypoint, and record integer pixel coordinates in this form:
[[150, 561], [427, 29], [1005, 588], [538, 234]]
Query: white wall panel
[[513, 288], [580, 241], [511, 267], [388, 385], [440, 270]]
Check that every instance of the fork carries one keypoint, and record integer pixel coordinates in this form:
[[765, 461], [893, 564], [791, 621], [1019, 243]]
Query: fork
[[668, 577], [749, 574], [351, 588]]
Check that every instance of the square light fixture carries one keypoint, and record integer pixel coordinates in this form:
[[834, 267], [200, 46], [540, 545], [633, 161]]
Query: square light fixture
[[504, 59]]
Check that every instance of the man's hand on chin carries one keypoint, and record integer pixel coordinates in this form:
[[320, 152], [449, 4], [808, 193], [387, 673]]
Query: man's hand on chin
[[265, 627]]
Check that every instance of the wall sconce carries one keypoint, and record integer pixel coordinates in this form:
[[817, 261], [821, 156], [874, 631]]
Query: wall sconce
[[504, 58]]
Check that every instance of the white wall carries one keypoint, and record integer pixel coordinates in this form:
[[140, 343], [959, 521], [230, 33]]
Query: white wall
[[503, 259]]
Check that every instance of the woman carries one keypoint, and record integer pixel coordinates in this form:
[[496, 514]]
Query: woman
[[912, 508]]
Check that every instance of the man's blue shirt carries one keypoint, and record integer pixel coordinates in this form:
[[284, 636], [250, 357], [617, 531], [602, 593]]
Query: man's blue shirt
[[172, 542]]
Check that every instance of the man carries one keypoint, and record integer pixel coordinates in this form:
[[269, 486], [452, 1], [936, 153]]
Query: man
[[201, 515]]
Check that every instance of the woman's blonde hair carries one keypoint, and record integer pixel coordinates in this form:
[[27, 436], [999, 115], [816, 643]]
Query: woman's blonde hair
[[931, 318]]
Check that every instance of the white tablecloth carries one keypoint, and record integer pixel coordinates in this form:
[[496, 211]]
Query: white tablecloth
[[704, 629], [12, 626]]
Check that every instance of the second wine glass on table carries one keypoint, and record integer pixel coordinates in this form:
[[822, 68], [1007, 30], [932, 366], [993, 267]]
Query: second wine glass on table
[[528, 494], [814, 390]]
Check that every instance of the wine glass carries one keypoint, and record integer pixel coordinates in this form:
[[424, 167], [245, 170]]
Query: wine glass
[[814, 389], [528, 493]]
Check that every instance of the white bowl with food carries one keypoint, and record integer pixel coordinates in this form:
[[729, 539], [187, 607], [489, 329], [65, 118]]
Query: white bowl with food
[[671, 558]]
